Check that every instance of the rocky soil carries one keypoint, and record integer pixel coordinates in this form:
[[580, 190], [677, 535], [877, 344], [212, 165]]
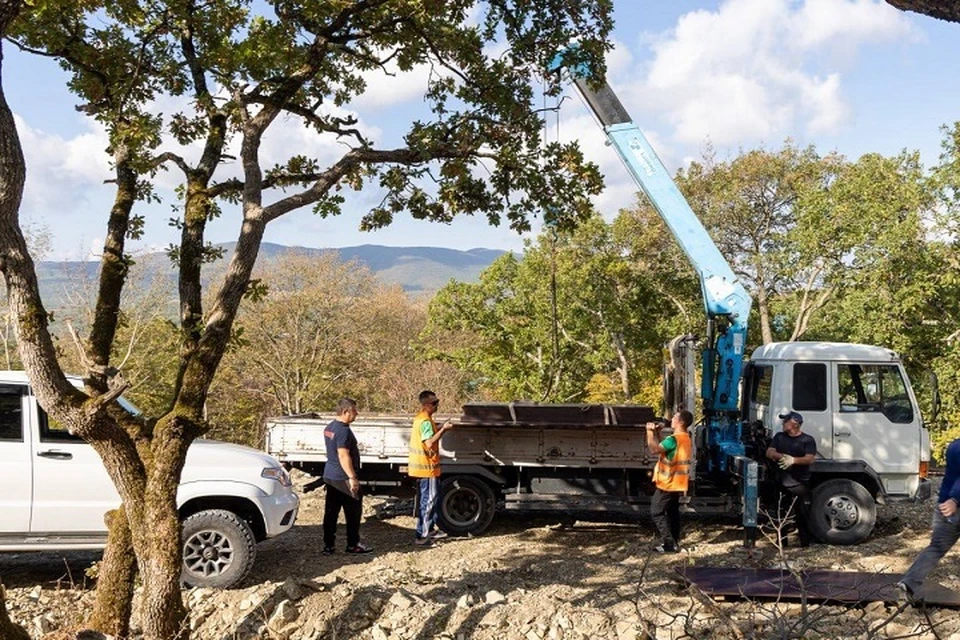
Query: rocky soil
[[528, 577]]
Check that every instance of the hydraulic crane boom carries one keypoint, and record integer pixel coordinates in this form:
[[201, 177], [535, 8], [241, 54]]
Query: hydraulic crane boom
[[726, 301]]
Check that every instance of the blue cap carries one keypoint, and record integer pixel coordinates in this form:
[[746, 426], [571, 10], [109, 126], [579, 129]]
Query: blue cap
[[792, 415]]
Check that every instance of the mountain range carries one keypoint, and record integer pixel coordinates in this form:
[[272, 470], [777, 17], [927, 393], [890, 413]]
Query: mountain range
[[417, 269]]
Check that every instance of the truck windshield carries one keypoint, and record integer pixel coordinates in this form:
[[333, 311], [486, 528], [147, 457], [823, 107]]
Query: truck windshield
[[874, 387]]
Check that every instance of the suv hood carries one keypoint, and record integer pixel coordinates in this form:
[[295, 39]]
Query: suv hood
[[223, 461]]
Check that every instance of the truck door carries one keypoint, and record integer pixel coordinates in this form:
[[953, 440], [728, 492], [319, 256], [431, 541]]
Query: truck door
[[72, 490], [874, 420], [15, 459], [809, 395]]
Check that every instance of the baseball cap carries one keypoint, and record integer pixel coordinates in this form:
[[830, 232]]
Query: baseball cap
[[792, 415]]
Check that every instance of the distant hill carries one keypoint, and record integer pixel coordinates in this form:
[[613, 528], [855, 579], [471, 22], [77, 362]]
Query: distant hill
[[416, 269]]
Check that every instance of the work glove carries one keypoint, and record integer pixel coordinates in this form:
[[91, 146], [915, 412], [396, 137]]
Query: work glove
[[786, 461]]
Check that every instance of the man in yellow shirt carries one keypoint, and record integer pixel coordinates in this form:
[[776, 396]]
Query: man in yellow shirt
[[424, 465]]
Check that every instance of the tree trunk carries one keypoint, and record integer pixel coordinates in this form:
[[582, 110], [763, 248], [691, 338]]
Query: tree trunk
[[763, 305], [111, 611], [624, 369], [162, 612]]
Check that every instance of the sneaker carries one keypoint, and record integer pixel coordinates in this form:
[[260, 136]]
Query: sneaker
[[423, 542], [359, 548], [327, 551], [662, 548], [437, 534]]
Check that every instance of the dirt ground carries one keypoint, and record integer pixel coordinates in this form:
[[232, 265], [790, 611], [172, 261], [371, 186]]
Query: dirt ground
[[529, 577]]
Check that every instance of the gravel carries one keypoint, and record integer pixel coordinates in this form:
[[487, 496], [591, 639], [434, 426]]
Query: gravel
[[529, 577]]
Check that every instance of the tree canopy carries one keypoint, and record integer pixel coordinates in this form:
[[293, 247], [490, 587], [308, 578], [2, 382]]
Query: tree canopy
[[233, 69], [942, 9]]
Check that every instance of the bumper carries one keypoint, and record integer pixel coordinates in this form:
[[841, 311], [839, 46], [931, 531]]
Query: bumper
[[280, 512], [923, 490]]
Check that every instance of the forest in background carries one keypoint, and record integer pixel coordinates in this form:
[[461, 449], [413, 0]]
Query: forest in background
[[830, 249]]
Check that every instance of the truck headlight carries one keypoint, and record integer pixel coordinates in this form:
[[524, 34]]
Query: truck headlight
[[277, 473]]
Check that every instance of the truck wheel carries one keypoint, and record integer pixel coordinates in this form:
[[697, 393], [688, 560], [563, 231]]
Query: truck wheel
[[218, 549], [842, 512], [467, 505]]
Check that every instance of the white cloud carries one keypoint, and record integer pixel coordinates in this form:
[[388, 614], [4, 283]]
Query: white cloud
[[839, 25], [64, 187], [753, 70], [55, 163], [392, 87]]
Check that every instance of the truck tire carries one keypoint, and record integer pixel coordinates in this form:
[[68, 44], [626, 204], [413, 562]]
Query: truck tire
[[467, 505], [842, 512], [218, 549]]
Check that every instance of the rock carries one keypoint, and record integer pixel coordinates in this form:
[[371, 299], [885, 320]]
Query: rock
[[327, 581], [292, 589], [400, 600], [896, 630], [44, 624], [377, 633], [627, 631], [466, 601], [876, 608], [494, 597], [285, 613], [533, 635], [35, 593]]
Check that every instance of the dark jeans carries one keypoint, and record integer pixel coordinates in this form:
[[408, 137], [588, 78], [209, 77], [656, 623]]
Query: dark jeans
[[944, 536], [665, 511], [796, 497], [338, 497]]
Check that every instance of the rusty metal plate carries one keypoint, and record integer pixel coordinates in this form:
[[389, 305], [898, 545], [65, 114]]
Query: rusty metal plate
[[820, 586]]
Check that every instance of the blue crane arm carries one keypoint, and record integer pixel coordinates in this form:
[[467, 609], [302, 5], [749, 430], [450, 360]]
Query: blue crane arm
[[726, 301]]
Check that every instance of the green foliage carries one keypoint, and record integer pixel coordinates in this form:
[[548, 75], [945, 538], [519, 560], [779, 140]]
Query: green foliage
[[597, 334], [479, 153], [322, 329], [751, 205]]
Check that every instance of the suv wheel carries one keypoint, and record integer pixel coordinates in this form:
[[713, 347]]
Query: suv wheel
[[218, 549]]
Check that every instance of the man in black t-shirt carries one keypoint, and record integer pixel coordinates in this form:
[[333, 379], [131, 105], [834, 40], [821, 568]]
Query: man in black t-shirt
[[340, 476], [794, 451]]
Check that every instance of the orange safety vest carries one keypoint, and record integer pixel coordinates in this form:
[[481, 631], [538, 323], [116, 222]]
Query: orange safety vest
[[423, 463], [673, 475]]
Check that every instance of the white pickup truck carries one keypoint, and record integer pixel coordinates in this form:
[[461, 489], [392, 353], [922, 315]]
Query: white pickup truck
[[56, 492]]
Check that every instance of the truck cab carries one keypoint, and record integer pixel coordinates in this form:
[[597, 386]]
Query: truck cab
[[56, 493], [858, 405]]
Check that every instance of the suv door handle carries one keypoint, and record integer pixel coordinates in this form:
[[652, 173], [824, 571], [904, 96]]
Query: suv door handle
[[56, 455], [841, 432]]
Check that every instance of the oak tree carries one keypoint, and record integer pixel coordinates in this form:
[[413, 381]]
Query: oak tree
[[238, 68]]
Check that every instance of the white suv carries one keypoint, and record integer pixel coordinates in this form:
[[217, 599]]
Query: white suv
[[56, 492]]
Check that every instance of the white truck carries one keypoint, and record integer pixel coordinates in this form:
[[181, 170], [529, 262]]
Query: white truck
[[856, 400], [56, 492]]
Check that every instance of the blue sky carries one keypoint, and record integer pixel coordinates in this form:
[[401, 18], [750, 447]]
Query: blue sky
[[852, 76]]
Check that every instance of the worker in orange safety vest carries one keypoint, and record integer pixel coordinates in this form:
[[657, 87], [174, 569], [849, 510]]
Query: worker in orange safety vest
[[424, 466], [671, 477]]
